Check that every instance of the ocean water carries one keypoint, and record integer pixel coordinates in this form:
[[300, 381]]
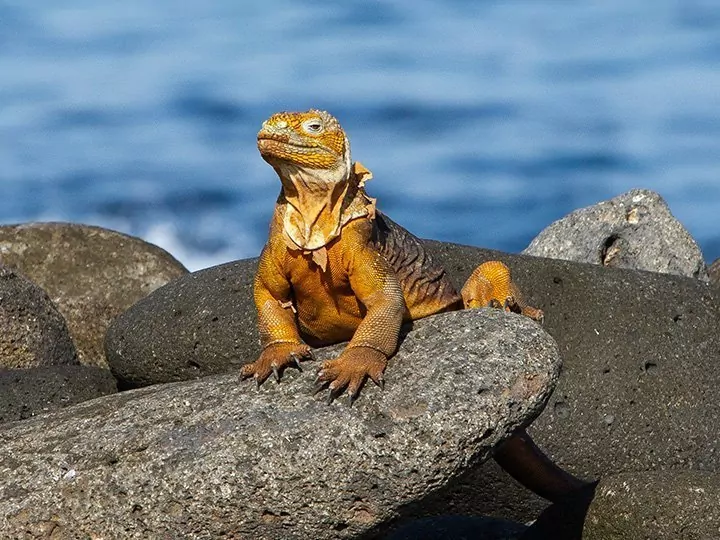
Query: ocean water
[[482, 121]]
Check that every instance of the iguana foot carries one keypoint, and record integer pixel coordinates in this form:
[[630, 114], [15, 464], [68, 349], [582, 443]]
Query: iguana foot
[[350, 371], [490, 285], [274, 359]]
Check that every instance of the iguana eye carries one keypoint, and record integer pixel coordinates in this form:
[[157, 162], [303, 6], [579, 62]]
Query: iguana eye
[[313, 126]]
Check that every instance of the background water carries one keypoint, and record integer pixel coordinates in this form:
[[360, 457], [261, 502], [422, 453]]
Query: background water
[[483, 121]]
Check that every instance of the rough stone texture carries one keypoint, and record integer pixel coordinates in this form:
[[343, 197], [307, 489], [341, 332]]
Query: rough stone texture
[[670, 505], [634, 230], [640, 378], [215, 458], [459, 528], [714, 273], [659, 505], [28, 392], [92, 274], [32, 331], [201, 324]]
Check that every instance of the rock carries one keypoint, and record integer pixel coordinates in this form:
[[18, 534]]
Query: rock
[[634, 230], [639, 384], [655, 505], [459, 528], [28, 392], [638, 389], [714, 273], [92, 274], [201, 324], [32, 331], [216, 458], [663, 505]]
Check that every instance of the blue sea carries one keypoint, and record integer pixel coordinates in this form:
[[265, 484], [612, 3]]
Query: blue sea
[[482, 121]]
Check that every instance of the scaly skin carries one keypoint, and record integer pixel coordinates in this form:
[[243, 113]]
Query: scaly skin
[[335, 269]]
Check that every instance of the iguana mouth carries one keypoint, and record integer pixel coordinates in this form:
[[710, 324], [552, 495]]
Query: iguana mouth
[[285, 141], [279, 147], [283, 138]]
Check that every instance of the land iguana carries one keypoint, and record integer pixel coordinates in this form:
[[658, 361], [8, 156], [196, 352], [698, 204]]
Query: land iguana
[[336, 269]]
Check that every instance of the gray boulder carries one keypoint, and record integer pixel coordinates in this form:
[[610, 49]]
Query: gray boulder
[[658, 505], [32, 331], [667, 505], [201, 324], [28, 392], [634, 230], [216, 458], [638, 390], [91, 274]]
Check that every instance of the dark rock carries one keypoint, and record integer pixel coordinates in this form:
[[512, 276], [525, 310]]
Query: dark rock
[[28, 392], [655, 505], [92, 274], [201, 324], [667, 505], [638, 390], [634, 230], [459, 528], [32, 331], [714, 273], [217, 458]]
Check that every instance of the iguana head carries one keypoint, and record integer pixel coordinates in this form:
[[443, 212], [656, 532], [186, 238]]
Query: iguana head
[[322, 189], [310, 141]]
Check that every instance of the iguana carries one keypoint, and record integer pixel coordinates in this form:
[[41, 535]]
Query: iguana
[[335, 269]]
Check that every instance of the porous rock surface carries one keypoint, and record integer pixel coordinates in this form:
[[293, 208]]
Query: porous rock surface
[[714, 273], [28, 392], [634, 230], [667, 505], [32, 331], [201, 324], [91, 274], [215, 458], [646, 505], [640, 377]]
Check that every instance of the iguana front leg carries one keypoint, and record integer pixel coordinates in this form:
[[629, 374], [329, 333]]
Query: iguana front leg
[[279, 335], [377, 287]]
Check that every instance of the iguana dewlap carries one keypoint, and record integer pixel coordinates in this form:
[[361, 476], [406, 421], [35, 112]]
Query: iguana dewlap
[[336, 269]]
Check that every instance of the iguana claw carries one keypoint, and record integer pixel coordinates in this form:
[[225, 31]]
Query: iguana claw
[[296, 360], [319, 387]]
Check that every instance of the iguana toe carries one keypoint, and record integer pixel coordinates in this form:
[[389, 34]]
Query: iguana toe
[[274, 360]]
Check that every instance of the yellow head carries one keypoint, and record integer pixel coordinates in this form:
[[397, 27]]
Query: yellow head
[[307, 140]]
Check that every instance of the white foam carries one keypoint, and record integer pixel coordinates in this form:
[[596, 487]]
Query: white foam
[[167, 236]]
